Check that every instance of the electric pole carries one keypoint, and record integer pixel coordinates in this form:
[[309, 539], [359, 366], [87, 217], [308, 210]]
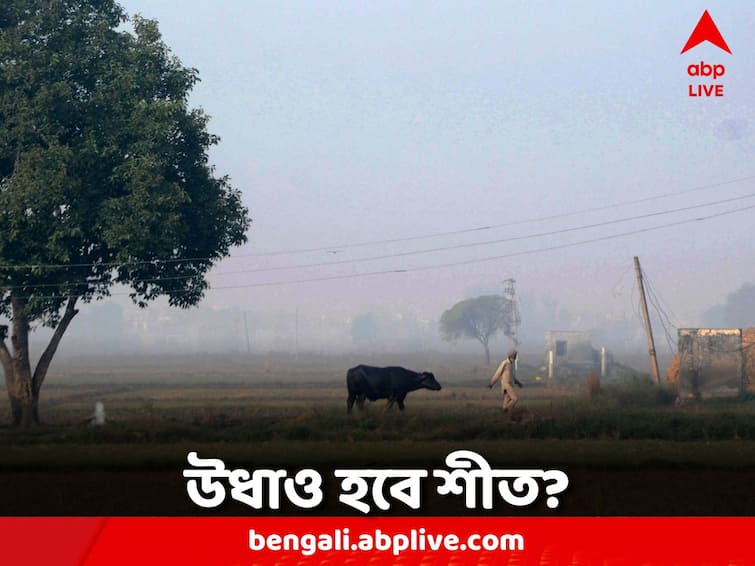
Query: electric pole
[[646, 316], [514, 319], [246, 329]]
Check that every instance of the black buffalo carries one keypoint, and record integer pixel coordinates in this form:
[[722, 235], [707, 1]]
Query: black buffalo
[[392, 383]]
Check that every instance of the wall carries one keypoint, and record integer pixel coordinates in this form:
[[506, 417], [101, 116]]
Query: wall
[[580, 356], [710, 363]]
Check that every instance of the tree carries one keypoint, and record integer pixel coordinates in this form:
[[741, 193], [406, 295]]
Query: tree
[[104, 176], [479, 318]]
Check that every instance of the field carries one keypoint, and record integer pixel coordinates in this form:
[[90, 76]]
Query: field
[[629, 450]]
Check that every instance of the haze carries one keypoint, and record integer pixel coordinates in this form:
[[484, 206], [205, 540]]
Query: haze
[[353, 123]]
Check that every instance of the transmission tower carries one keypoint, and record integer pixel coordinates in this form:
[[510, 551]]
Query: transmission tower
[[514, 317]]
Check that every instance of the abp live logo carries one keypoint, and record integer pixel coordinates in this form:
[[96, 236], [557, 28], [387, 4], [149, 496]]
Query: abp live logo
[[706, 30]]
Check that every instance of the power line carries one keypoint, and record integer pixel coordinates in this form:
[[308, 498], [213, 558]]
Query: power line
[[620, 281], [664, 306], [636, 305], [458, 263], [661, 316], [413, 252], [158, 261], [661, 313], [490, 242], [549, 248], [502, 225]]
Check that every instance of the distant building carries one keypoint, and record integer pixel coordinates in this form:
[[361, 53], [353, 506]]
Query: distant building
[[572, 354], [711, 363]]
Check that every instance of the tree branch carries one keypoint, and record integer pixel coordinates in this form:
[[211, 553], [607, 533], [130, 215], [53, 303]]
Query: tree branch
[[44, 362]]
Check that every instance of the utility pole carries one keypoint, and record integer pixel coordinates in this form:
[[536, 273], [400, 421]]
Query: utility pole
[[514, 318], [646, 316], [297, 333], [246, 329]]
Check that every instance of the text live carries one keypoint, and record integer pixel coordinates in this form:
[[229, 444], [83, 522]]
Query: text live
[[703, 69]]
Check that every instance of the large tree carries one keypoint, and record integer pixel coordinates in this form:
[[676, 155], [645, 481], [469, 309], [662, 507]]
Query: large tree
[[479, 318], [104, 176]]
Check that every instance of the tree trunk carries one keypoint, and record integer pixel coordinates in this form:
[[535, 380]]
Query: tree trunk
[[23, 385], [487, 351], [23, 401], [5, 360], [20, 397], [19, 380], [23, 404]]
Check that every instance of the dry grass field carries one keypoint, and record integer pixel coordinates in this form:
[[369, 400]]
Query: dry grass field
[[627, 451]]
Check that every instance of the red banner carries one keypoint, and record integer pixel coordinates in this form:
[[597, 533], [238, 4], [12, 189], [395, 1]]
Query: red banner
[[377, 540]]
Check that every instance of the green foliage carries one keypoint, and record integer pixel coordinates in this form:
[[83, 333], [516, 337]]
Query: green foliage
[[639, 390], [478, 318], [104, 168]]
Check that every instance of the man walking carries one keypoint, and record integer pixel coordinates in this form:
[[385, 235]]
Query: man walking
[[506, 372]]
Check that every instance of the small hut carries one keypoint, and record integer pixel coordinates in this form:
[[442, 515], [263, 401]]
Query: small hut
[[748, 362], [571, 353], [711, 363]]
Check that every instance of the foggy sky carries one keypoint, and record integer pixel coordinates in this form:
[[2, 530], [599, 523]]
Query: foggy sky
[[370, 121]]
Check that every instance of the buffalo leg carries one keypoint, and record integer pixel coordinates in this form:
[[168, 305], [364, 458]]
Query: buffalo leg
[[350, 402], [389, 405], [360, 402], [400, 401]]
